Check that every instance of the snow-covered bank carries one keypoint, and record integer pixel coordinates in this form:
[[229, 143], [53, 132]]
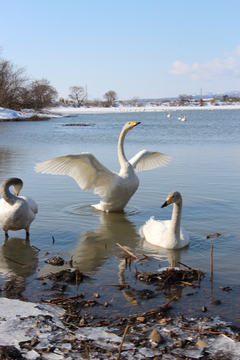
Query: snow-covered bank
[[147, 108], [7, 114]]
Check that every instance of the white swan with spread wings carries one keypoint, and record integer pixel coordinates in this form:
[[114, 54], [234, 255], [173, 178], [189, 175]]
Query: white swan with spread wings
[[89, 173]]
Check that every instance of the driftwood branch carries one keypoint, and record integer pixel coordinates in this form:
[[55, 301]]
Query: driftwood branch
[[129, 252]]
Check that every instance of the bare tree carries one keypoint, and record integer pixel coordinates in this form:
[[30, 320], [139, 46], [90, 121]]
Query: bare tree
[[111, 97], [135, 99], [42, 94], [77, 94], [16, 92], [12, 81]]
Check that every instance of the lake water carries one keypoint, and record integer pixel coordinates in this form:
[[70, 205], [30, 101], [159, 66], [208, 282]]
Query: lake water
[[205, 168]]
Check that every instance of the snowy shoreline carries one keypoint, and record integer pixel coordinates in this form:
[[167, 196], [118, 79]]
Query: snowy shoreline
[[28, 114], [30, 331]]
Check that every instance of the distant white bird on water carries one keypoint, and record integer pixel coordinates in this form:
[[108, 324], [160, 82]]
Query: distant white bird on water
[[168, 233], [16, 212], [169, 114], [184, 118], [89, 173], [180, 117]]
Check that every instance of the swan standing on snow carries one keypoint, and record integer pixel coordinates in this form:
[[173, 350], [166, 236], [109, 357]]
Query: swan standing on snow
[[89, 173], [16, 212], [168, 234]]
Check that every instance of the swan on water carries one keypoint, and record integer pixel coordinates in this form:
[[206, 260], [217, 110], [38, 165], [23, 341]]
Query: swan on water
[[167, 233], [183, 118], [89, 173], [180, 117], [169, 114], [16, 212]]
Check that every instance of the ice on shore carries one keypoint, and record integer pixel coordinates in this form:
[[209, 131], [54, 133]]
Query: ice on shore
[[17, 317], [24, 321]]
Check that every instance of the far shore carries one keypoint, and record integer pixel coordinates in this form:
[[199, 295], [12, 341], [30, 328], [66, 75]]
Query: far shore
[[62, 111]]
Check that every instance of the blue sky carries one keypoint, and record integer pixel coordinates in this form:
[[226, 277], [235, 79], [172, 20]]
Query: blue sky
[[145, 49]]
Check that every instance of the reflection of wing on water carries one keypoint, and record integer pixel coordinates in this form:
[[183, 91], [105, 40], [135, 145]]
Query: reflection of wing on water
[[97, 245], [21, 251]]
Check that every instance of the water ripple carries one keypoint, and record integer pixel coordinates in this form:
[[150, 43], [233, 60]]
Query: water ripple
[[88, 210]]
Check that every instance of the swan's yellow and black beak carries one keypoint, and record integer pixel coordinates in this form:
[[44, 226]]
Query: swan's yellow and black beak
[[133, 123], [167, 202]]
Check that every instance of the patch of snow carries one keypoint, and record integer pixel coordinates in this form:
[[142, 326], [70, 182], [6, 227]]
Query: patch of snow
[[8, 114]]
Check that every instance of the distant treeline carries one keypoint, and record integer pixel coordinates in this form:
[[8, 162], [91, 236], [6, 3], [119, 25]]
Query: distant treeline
[[18, 92]]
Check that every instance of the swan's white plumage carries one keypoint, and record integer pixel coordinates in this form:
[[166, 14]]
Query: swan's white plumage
[[183, 118], [89, 173], [148, 160], [16, 212], [168, 234], [84, 168]]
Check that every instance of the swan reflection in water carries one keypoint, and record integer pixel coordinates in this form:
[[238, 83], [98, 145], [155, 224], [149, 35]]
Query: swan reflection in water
[[97, 245], [18, 259], [170, 258]]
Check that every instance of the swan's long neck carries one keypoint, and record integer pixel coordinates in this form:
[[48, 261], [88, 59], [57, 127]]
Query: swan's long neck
[[121, 155], [174, 229], [6, 193]]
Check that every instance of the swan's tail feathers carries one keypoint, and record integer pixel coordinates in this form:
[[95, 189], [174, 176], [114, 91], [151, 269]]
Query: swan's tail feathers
[[147, 160], [141, 231]]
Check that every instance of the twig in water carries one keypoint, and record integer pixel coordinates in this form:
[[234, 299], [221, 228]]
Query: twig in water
[[145, 256], [211, 263], [136, 274], [36, 248], [129, 252], [71, 261], [170, 300], [185, 265], [199, 277], [16, 262]]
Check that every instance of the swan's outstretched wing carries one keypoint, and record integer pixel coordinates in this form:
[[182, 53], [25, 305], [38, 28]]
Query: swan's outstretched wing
[[84, 168], [147, 160]]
